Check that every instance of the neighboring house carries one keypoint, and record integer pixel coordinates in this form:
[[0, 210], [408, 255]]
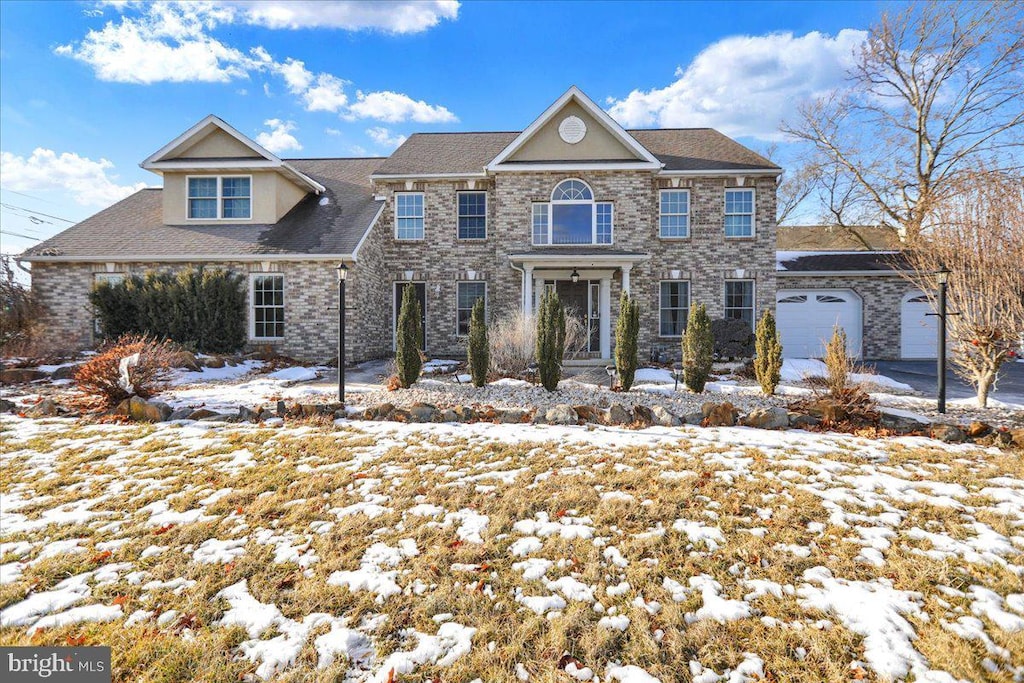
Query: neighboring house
[[574, 203]]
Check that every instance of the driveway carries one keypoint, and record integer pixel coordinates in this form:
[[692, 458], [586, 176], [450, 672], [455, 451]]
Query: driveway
[[922, 375]]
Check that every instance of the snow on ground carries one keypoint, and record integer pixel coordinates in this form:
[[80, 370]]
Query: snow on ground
[[369, 551]]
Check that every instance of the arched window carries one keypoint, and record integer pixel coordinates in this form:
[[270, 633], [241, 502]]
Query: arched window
[[572, 216]]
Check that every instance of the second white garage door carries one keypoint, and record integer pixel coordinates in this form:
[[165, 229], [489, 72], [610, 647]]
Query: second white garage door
[[806, 318], [917, 328]]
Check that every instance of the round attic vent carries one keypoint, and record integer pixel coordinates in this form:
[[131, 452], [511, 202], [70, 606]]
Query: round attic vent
[[572, 129]]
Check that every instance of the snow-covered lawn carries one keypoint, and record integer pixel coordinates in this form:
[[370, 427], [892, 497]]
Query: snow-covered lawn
[[216, 552]]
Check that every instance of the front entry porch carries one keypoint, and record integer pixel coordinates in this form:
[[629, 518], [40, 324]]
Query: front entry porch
[[583, 283]]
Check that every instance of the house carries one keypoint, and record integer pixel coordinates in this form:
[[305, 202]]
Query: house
[[573, 203]]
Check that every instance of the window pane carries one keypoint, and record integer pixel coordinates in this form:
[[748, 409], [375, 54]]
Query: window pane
[[202, 187], [540, 223], [409, 205], [235, 187], [202, 208], [572, 223], [268, 306], [674, 220], [472, 215], [739, 213], [236, 208], [466, 297], [738, 226], [571, 190], [604, 223], [675, 307], [739, 300]]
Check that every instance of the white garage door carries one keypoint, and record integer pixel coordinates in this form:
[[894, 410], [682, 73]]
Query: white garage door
[[917, 329], [806, 318]]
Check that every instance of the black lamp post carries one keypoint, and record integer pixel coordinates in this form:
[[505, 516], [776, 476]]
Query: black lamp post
[[943, 278], [575, 277], [342, 272]]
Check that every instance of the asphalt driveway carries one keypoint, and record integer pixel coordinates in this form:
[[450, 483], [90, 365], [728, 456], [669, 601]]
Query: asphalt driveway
[[922, 375]]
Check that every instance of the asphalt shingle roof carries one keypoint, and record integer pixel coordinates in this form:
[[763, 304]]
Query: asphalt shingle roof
[[680, 149], [862, 261], [330, 223]]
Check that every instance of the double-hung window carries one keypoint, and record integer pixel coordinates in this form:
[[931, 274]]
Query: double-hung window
[[472, 215], [409, 215], [674, 213], [739, 300], [267, 299], [572, 217], [674, 306], [739, 213], [220, 198], [467, 294]]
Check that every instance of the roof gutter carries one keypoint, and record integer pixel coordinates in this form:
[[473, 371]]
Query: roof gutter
[[725, 173], [841, 273], [415, 176], [184, 258]]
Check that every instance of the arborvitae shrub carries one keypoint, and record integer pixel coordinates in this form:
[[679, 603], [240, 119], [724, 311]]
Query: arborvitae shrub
[[198, 307], [698, 344], [627, 332], [477, 348], [768, 354], [408, 361], [550, 340]]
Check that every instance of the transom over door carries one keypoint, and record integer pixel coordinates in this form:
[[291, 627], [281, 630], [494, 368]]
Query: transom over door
[[806, 318]]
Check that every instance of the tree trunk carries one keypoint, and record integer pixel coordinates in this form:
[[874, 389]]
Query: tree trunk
[[985, 381]]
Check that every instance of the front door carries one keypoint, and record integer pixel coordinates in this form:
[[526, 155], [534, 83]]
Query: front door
[[580, 300], [421, 294]]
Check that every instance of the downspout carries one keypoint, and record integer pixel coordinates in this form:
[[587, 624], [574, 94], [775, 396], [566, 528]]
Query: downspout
[[522, 285]]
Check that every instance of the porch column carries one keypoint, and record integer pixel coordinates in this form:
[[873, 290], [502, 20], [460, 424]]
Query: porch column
[[527, 289], [625, 276], [605, 331], [538, 292]]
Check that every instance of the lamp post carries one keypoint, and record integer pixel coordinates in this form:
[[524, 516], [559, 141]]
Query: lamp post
[[342, 272], [942, 275]]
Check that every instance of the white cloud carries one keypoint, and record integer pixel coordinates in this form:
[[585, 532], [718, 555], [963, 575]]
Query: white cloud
[[279, 138], [745, 85], [383, 137], [87, 180], [393, 16], [393, 107]]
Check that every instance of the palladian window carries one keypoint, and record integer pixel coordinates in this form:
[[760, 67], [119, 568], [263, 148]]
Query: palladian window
[[573, 217]]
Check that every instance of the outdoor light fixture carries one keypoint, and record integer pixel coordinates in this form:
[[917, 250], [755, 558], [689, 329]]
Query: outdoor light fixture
[[942, 277], [342, 275], [610, 369], [575, 277]]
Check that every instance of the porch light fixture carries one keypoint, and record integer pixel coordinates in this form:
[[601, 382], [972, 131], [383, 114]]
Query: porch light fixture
[[942, 278], [342, 275], [575, 277]]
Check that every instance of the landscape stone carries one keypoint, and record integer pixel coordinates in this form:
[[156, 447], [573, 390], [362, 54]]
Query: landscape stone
[[7, 406], [722, 415], [901, 424], [643, 415], [695, 418], [21, 375], [561, 414], [766, 418], [617, 415], [664, 418], [800, 420], [201, 413], [449, 415], [947, 433], [422, 412], [512, 416], [214, 362], [464, 413], [588, 413], [45, 408], [65, 372], [180, 414], [141, 410], [978, 429]]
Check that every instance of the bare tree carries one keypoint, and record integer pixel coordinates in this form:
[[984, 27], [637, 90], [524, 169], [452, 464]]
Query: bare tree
[[979, 235], [795, 185], [934, 88]]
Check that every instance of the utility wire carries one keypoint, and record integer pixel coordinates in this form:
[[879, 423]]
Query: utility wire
[[18, 234], [38, 213], [22, 194]]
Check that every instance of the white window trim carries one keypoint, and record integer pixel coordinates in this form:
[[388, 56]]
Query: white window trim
[[487, 206], [252, 305], [593, 202], [753, 213], [753, 298], [422, 218], [458, 334], [219, 198], [689, 304], [687, 214]]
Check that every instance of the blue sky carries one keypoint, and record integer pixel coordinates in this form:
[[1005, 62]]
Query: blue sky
[[90, 89]]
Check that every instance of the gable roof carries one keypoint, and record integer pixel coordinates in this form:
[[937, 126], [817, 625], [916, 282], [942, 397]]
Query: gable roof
[[837, 238], [330, 224], [880, 262], [574, 94], [164, 160]]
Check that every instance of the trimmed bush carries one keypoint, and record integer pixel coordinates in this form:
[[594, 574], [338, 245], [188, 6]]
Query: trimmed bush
[[627, 333], [477, 348], [733, 339], [838, 362], [408, 361], [697, 349], [550, 340], [198, 307], [102, 376], [768, 358]]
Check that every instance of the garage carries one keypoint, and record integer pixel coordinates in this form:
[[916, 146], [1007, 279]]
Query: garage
[[917, 328], [806, 318]]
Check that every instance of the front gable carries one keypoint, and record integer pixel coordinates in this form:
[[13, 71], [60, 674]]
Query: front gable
[[574, 132], [215, 144]]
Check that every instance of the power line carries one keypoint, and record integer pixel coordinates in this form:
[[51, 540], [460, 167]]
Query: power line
[[18, 234], [38, 213], [22, 194]]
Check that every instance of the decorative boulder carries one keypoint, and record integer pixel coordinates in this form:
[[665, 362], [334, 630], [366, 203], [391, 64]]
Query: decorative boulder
[[65, 372], [801, 420], [464, 413], [588, 413], [45, 408], [643, 415], [449, 415], [7, 406], [978, 429], [512, 416], [21, 375], [722, 415], [947, 433], [422, 412], [617, 415], [695, 418], [141, 410], [766, 418], [214, 362], [663, 417], [561, 414]]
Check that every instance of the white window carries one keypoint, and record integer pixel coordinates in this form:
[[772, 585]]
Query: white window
[[674, 213], [739, 213], [472, 215], [674, 306], [409, 215], [220, 198], [467, 294], [104, 278], [739, 300], [573, 217], [267, 300]]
